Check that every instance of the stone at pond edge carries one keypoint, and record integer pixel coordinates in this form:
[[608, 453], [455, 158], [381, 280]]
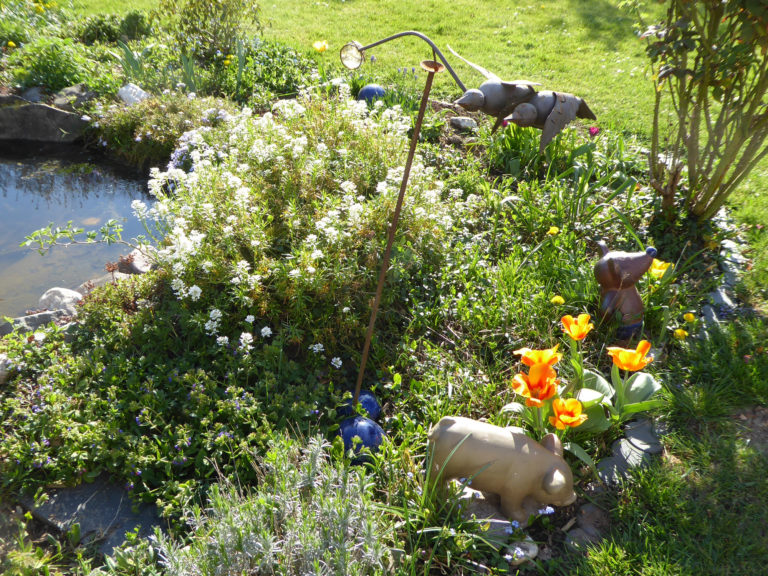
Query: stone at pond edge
[[367, 401], [137, 262], [22, 120], [33, 321], [5, 366], [103, 511], [463, 124], [60, 299], [371, 92], [132, 94], [73, 97], [34, 94], [370, 433], [86, 287]]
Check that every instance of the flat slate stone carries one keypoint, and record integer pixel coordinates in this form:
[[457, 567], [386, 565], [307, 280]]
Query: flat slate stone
[[641, 435], [103, 511], [22, 120], [33, 321], [721, 300]]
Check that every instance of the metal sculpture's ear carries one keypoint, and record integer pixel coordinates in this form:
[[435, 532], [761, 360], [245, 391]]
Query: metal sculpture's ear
[[552, 443], [472, 100]]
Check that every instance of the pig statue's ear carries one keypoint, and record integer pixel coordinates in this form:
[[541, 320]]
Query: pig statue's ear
[[552, 443], [555, 481]]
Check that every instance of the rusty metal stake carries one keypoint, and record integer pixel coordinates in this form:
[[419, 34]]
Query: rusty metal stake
[[432, 67]]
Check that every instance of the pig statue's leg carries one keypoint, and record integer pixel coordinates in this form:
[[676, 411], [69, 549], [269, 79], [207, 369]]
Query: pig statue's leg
[[511, 507]]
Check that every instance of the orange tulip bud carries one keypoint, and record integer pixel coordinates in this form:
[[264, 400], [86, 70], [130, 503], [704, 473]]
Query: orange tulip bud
[[578, 328]]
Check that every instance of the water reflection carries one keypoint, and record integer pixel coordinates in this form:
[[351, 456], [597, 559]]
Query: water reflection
[[36, 191]]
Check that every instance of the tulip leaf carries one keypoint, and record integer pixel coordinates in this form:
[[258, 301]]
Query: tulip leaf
[[589, 397], [636, 407], [596, 421], [595, 381], [514, 408], [581, 454], [640, 387]]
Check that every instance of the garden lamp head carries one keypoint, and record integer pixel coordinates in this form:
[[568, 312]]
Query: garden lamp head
[[352, 55]]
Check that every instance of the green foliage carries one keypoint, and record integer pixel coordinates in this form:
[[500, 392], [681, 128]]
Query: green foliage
[[52, 63], [307, 515], [712, 59], [205, 28], [109, 28], [146, 133]]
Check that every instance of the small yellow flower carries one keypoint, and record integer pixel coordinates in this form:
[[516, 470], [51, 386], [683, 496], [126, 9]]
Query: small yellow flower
[[320, 45], [11, 44], [658, 268], [689, 317], [557, 300], [39, 8], [681, 334], [227, 62], [553, 231]]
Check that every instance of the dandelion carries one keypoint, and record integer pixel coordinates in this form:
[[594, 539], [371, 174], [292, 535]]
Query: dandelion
[[681, 334], [336, 362], [557, 300], [266, 332], [567, 413], [659, 268], [11, 44], [553, 231], [631, 360], [320, 45], [579, 328], [689, 317]]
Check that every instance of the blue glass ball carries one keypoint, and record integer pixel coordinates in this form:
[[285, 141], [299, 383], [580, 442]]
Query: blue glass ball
[[371, 92], [370, 433], [367, 401]]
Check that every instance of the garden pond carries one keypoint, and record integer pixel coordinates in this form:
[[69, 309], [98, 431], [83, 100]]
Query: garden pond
[[41, 187]]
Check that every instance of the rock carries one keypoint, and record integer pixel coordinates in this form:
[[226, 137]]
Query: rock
[[137, 262], [463, 124], [34, 94], [132, 94], [710, 316], [86, 287], [593, 520], [60, 299], [578, 539], [5, 367], [73, 97], [641, 435], [731, 273], [22, 120], [522, 551], [33, 321], [721, 301], [483, 507], [103, 511]]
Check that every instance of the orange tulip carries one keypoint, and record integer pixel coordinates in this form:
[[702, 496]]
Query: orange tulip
[[578, 328], [631, 360], [567, 413], [549, 356], [538, 385]]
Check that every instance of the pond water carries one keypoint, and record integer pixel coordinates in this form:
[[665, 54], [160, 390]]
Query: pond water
[[36, 190]]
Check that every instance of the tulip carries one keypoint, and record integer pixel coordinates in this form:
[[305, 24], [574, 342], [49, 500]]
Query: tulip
[[579, 328], [567, 413], [320, 45], [631, 360], [538, 385], [658, 268], [549, 356]]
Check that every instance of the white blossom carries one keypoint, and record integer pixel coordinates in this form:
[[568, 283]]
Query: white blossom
[[266, 332]]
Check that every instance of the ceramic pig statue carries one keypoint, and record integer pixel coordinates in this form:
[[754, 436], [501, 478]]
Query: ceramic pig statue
[[617, 273], [526, 475]]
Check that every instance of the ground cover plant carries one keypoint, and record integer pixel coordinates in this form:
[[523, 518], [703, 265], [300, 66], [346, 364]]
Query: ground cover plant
[[267, 228]]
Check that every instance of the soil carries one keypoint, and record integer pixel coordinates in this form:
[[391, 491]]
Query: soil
[[754, 425]]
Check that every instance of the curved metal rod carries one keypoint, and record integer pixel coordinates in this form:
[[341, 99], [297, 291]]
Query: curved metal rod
[[435, 49]]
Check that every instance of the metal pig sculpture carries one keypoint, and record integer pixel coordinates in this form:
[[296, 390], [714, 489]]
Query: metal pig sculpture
[[516, 101], [524, 473], [617, 273]]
